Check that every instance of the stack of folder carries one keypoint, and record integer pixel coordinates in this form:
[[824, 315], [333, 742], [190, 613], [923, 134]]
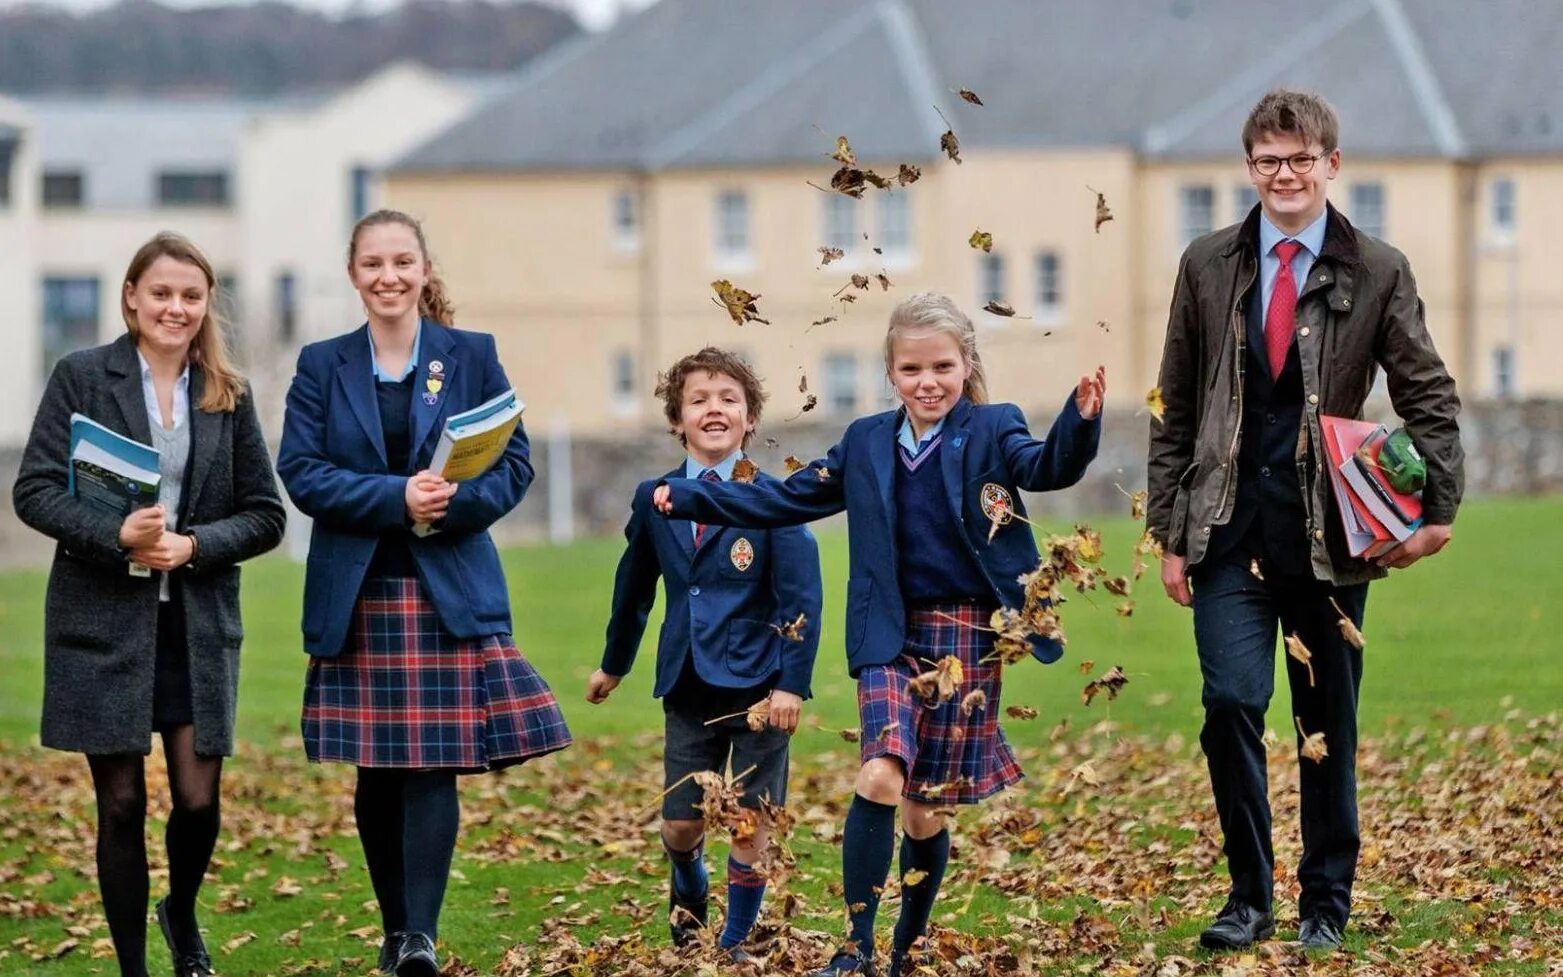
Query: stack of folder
[[1375, 516]]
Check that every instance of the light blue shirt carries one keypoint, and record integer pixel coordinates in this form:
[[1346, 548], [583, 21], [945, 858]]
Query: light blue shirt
[[906, 439], [412, 361], [1312, 240], [181, 402], [723, 469]]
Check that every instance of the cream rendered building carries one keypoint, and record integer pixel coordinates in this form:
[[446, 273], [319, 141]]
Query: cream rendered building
[[582, 217], [18, 272]]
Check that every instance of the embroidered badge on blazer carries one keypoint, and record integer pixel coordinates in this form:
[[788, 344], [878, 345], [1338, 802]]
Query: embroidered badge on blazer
[[742, 554], [996, 503]]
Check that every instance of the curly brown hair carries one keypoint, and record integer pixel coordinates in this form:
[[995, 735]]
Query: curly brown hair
[[711, 360]]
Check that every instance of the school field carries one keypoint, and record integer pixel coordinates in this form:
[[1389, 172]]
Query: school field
[[1105, 861]]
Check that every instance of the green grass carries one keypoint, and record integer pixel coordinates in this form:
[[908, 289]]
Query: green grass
[[1458, 640]]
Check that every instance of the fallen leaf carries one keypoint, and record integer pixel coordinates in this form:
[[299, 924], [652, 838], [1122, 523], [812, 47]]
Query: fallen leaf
[[792, 630], [827, 255], [844, 152], [1253, 568], [1126, 609], [1136, 501], [792, 464], [821, 322], [823, 473], [772, 443], [1103, 215], [1348, 629], [1021, 712], [740, 304], [975, 699], [1111, 682], [1087, 667], [939, 684], [969, 96], [1296, 649], [850, 735], [999, 308], [907, 175], [745, 471], [856, 281], [1154, 404], [884, 281], [238, 941], [913, 876], [884, 732], [950, 145], [981, 239], [1313, 743]]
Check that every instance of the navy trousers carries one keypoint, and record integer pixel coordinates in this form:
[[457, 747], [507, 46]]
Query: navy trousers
[[1235, 626]]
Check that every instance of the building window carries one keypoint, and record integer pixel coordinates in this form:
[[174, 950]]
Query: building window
[[286, 299], [626, 220], [840, 383], [7, 154], [64, 188], [839, 218], [1050, 287], [990, 278], [894, 234], [1502, 213], [360, 188], [1503, 372], [177, 189], [623, 373], [70, 317], [1367, 208], [1244, 199], [732, 226], [1196, 211]]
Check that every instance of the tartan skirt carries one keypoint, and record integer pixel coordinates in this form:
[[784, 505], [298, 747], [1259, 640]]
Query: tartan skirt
[[949, 758], [406, 694]]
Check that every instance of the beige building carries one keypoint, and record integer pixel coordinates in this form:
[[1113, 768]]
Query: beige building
[[582, 216]]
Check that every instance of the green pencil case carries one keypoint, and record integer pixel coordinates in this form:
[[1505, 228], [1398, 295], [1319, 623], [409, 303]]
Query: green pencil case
[[1401, 463]]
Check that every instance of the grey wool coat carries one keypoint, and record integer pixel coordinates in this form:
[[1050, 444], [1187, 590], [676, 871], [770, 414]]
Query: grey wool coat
[[100, 623]]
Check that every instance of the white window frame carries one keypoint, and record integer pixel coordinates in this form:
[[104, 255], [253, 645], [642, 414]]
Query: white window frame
[[839, 366], [1047, 313], [838, 223], [898, 252], [1502, 215], [732, 206], [1375, 229], [992, 262], [1244, 197], [626, 236]]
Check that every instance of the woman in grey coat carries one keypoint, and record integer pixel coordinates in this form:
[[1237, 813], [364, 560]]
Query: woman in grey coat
[[141, 623]]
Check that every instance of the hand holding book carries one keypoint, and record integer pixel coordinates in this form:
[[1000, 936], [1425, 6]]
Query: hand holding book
[[427, 496]]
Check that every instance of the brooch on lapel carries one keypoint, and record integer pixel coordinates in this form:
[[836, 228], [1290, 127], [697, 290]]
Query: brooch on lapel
[[433, 384], [742, 554], [996, 503]]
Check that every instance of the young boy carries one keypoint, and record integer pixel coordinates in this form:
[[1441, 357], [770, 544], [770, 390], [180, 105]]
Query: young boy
[[718, 653]]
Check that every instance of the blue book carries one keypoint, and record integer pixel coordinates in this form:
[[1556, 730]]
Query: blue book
[[109, 470]]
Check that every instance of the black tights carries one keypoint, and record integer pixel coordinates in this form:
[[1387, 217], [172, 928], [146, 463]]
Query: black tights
[[119, 781], [407, 821]]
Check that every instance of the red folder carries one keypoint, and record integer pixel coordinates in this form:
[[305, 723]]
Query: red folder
[[1366, 536]]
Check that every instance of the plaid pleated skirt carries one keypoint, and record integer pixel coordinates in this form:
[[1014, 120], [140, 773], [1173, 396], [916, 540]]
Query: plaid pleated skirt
[[950, 758], [404, 693]]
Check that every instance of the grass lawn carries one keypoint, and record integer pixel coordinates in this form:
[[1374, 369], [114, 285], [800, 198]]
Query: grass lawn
[[1471, 638]]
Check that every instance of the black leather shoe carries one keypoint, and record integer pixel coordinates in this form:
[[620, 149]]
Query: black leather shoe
[[845, 963], [190, 961], [417, 957], [1319, 933], [390, 951], [686, 919], [739, 956], [1237, 926]]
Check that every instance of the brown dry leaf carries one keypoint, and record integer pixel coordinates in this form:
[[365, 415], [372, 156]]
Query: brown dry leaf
[[1087, 667], [999, 308], [772, 443], [1021, 712], [1348, 630], [1090, 546], [1103, 326], [745, 471], [843, 153], [1155, 404], [1126, 609], [1313, 743], [286, 888], [238, 941], [1103, 215], [821, 322], [1117, 586], [823, 473], [913, 876], [1253, 568], [878, 182], [884, 281], [1111, 682], [907, 175], [951, 145], [939, 684], [792, 630], [809, 403], [848, 298], [969, 95], [975, 699], [1299, 651], [827, 255], [793, 464], [848, 180], [981, 239], [887, 729], [856, 281], [850, 735], [759, 714], [1136, 501], [62, 948], [739, 303]]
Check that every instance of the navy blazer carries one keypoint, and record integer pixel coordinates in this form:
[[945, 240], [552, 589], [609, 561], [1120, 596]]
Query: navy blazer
[[982, 444], [332, 462], [721, 600]]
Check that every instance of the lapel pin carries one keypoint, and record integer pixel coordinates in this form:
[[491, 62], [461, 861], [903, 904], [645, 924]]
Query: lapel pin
[[431, 399], [436, 367]]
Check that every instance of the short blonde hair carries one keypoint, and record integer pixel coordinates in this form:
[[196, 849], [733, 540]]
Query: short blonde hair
[[930, 312]]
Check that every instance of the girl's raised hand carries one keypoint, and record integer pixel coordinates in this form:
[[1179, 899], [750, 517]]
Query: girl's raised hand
[[1090, 392], [662, 498]]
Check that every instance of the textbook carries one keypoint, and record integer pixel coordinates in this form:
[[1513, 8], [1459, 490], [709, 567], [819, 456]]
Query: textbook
[[473, 440], [112, 472], [1375, 517]]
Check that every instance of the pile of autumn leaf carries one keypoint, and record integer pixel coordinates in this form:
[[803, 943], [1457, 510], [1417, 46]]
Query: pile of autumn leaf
[[1105, 861]]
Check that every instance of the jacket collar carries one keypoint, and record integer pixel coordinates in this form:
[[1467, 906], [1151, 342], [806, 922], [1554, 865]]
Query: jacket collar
[[1340, 238]]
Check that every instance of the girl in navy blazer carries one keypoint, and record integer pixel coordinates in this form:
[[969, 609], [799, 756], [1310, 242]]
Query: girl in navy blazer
[[919, 485], [413, 677]]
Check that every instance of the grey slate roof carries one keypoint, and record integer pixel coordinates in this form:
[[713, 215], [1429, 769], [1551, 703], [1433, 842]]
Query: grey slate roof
[[694, 83]]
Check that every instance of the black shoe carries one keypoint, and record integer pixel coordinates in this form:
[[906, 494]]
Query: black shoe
[[739, 956], [844, 963], [417, 957], [686, 919], [1237, 926], [190, 961], [1319, 933], [390, 950]]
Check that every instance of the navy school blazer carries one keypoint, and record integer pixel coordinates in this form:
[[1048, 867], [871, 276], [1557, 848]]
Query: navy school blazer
[[721, 600], [333, 465], [983, 444]]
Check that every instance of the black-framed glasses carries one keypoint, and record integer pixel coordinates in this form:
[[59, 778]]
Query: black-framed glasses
[[1299, 163]]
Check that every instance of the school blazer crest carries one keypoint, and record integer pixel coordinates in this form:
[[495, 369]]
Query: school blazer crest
[[333, 464], [982, 445]]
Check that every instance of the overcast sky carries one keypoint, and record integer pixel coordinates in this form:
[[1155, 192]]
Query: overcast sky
[[594, 14]]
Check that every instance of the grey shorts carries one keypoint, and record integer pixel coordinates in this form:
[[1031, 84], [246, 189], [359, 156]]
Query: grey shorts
[[729, 748]]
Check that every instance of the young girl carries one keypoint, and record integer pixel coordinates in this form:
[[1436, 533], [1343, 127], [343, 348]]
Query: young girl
[[920, 485], [141, 621], [413, 677]]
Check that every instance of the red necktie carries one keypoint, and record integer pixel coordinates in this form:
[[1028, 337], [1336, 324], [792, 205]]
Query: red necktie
[[700, 528], [1281, 317]]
